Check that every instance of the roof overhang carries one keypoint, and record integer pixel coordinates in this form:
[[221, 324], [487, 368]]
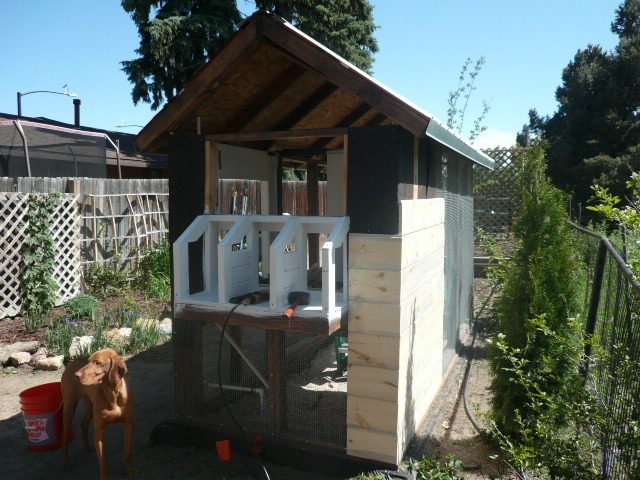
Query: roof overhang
[[271, 78]]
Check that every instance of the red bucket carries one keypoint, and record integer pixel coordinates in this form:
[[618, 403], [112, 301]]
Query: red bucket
[[42, 414]]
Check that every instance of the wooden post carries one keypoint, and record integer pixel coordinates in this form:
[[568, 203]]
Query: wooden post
[[313, 210], [277, 379], [210, 177], [345, 176], [95, 231]]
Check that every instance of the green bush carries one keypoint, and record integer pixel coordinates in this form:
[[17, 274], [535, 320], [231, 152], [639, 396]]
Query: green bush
[[106, 280], [83, 306], [539, 282], [154, 273]]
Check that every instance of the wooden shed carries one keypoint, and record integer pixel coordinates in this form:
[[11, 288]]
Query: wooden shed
[[388, 271]]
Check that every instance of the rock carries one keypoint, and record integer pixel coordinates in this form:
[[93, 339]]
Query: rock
[[40, 353], [118, 335], [166, 326], [19, 358], [7, 349], [50, 363], [80, 345]]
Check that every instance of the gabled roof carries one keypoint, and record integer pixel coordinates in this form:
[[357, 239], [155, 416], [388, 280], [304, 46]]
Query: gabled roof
[[271, 80]]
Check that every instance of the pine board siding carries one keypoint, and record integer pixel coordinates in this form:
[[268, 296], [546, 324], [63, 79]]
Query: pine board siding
[[396, 309]]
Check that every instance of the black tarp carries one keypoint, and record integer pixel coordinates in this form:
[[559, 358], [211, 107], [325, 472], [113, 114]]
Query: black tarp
[[53, 151]]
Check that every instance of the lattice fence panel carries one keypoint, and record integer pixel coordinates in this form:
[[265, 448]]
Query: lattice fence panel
[[13, 227], [494, 191]]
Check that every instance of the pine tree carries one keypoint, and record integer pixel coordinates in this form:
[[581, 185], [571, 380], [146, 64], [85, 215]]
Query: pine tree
[[177, 37]]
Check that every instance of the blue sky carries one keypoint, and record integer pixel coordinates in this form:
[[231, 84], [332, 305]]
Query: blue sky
[[423, 44]]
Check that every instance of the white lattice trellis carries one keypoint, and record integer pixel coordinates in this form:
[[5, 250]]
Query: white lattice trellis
[[66, 234]]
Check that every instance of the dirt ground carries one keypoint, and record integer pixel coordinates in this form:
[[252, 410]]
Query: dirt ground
[[446, 430]]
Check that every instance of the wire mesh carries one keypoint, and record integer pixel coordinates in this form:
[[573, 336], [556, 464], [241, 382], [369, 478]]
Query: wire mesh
[[281, 385], [455, 185], [614, 297]]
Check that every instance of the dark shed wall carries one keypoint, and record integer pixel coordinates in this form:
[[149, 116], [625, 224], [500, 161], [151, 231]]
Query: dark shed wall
[[380, 174]]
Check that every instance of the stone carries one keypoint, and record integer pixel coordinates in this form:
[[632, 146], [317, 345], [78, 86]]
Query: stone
[[165, 326], [80, 345], [19, 358], [7, 349], [118, 335], [50, 363], [40, 353]]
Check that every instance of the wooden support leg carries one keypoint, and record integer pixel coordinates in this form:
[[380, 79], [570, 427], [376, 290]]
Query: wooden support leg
[[277, 379]]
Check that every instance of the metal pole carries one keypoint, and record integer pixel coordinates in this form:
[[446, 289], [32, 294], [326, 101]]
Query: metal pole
[[19, 95], [594, 305]]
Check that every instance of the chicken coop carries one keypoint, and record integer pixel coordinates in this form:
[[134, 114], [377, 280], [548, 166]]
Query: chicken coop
[[351, 318]]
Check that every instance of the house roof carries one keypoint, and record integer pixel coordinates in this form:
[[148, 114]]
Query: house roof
[[129, 155], [274, 88]]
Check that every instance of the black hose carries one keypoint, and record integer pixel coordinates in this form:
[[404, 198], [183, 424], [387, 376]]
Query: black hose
[[223, 396]]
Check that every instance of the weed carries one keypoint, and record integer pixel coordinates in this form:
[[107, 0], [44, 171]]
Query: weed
[[107, 280]]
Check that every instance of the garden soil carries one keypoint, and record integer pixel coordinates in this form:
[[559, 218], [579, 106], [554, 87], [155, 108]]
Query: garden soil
[[447, 429]]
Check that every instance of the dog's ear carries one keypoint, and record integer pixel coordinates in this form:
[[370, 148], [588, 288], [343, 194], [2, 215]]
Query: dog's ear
[[117, 371]]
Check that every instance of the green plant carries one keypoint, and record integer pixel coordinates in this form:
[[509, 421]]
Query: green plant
[[539, 281], [107, 280], [425, 469], [38, 259], [154, 273], [83, 306]]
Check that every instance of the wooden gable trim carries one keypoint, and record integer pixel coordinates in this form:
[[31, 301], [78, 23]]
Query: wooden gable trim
[[241, 45], [339, 73]]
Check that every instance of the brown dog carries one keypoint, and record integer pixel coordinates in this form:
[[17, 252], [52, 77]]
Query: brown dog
[[101, 382]]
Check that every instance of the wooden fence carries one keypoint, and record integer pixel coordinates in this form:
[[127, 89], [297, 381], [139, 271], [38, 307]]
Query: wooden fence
[[97, 221]]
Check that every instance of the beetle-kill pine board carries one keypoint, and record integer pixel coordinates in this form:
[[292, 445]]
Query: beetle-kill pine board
[[380, 446], [384, 252], [373, 382], [372, 414], [396, 313], [418, 214]]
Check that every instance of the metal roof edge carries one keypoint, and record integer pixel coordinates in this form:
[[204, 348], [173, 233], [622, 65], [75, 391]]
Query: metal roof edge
[[444, 135]]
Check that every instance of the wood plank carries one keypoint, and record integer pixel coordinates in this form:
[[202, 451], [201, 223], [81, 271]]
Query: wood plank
[[268, 321], [275, 135], [376, 286], [418, 214], [348, 120], [375, 252], [239, 47], [374, 350], [334, 68], [374, 445], [265, 97], [372, 414], [373, 382], [211, 175], [276, 371], [305, 108]]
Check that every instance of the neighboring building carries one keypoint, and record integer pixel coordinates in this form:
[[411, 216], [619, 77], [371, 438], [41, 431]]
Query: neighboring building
[[57, 149]]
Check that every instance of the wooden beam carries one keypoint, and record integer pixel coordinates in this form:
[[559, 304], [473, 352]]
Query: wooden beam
[[334, 69], [211, 177], [265, 97], [275, 135], [313, 209], [239, 47], [346, 121], [305, 108]]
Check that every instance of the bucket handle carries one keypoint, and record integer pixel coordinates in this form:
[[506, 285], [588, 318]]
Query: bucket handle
[[55, 412]]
